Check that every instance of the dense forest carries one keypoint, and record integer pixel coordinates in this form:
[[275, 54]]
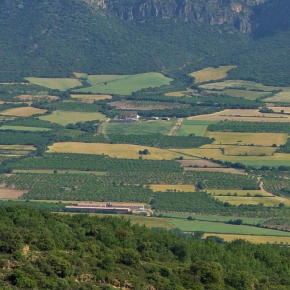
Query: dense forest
[[41, 250]]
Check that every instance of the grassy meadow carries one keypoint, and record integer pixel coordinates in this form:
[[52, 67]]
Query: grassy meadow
[[146, 127], [221, 228], [211, 73], [67, 117], [61, 84], [127, 151], [238, 192], [22, 128], [93, 97], [124, 84]]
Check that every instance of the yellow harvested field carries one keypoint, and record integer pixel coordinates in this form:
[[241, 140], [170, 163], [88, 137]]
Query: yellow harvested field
[[17, 147], [11, 193], [260, 139], [173, 187], [279, 109], [283, 96], [92, 97], [252, 239], [127, 151], [211, 73], [239, 192], [23, 112], [250, 115], [267, 201], [175, 94]]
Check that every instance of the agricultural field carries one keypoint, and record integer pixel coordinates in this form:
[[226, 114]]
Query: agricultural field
[[218, 169], [241, 192], [22, 128], [253, 239], [211, 73], [221, 228], [258, 139], [238, 84], [67, 117], [173, 187], [124, 84], [47, 171], [281, 97], [61, 84], [285, 110], [198, 162], [193, 127], [11, 193], [91, 97], [113, 150], [23, 112], [80, 75], [145, 105], [17, 147], [146, 127], [213, 218], [250, 115], [266, 201], [36, 97], [249, 95]]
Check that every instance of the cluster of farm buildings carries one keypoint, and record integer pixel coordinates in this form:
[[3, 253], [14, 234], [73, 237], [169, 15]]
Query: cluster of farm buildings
[[106, 207]]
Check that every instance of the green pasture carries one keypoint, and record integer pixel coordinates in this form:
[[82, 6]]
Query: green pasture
[[147, 127], [221, 228], [22, 128], [247, 94], [61, 84], [67, 117], [197, 127], [124, 84], [238, 84], [214, 218], [236, 192], [283, 97]]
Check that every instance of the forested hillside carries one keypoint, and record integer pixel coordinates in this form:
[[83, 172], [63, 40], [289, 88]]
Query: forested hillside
[[41, 250], [55, 38]]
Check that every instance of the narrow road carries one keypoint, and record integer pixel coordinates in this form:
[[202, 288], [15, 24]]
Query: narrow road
[[176, 127]]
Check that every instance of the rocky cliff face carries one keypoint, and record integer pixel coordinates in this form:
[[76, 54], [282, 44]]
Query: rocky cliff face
[[235, 13]]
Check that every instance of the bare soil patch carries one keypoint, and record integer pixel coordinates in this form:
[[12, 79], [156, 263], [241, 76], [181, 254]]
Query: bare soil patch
[[225, 170], [11, 193]]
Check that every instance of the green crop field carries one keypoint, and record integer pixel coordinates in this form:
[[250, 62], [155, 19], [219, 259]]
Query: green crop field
[[147, 127], [22, 128], [214, 218], [198, 130], [61, 84], [124, 84], [214, 227], [67, 117], [247, 94], [238, 192]]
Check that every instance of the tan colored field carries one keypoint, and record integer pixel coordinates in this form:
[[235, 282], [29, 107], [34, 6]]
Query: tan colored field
[[175, 94], [80, 75], [35, 97], [23, 112], [252, 239], [198, 162], [11, 193], [267, 201], [283, 96], [279, 109], [261, 139], [211, 73], [250, 115], [239, 192], [217, 154], [92, 97], [172, 187], [17, 147], [127, 151]]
